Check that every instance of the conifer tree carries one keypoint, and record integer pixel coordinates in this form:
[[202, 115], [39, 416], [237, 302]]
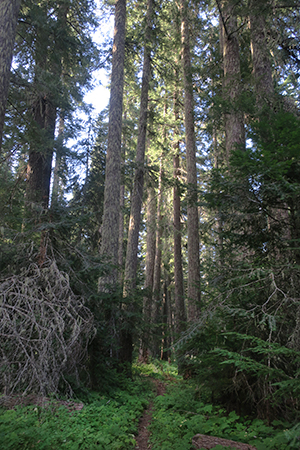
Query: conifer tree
[[9, 10], [192, 209], [262, 69], [59, 51], [110, 224], [149, 270], [180, 314], [157, 272], [56, 189], [234, 120], [138, 184], [44, 119]]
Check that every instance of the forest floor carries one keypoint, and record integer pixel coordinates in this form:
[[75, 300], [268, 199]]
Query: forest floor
[[142, 439]]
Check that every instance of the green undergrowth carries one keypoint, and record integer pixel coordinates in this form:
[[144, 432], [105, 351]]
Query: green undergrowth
[[105, 422], [160, 370], [110, 421], [179, 415]]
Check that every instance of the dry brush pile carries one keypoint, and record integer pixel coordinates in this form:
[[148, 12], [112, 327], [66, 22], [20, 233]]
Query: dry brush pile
[[44, 331]]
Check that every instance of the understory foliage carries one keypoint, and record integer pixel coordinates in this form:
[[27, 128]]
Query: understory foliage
[[184, 412], [44, 331], [105, 422], [111, 421]]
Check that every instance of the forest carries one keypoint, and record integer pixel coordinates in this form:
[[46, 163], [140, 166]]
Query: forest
[[150, 255]]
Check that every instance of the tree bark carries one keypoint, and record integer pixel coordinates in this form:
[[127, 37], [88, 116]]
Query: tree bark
[[138, 184], [180, 314], [157, 270], [262, 69], [121, 212], [44, 118], [40, 159], [57, 191], [44, 114], [121, 233], [9, 10], [150, 261], [166, 332], [110, 223], [194, 292], [234, 117], [137, 192]]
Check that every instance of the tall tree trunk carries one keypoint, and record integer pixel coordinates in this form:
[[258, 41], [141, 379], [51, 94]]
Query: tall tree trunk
[[137, 194], [110, 224], [40, 157], [40, 165], [44, 115], [234, 117], [262, 69], [194, 291], [150, 261], [57, 193], [180, 314], [121, 232], [138, 184], [121, 213], [218, 157], [157, 270], [44, 112], [9, 10], [166, 341]]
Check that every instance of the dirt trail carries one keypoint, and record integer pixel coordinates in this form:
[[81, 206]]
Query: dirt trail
[[143, 433]]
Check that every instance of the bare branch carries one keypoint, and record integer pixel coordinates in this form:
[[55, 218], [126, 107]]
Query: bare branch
[[44, 331]]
